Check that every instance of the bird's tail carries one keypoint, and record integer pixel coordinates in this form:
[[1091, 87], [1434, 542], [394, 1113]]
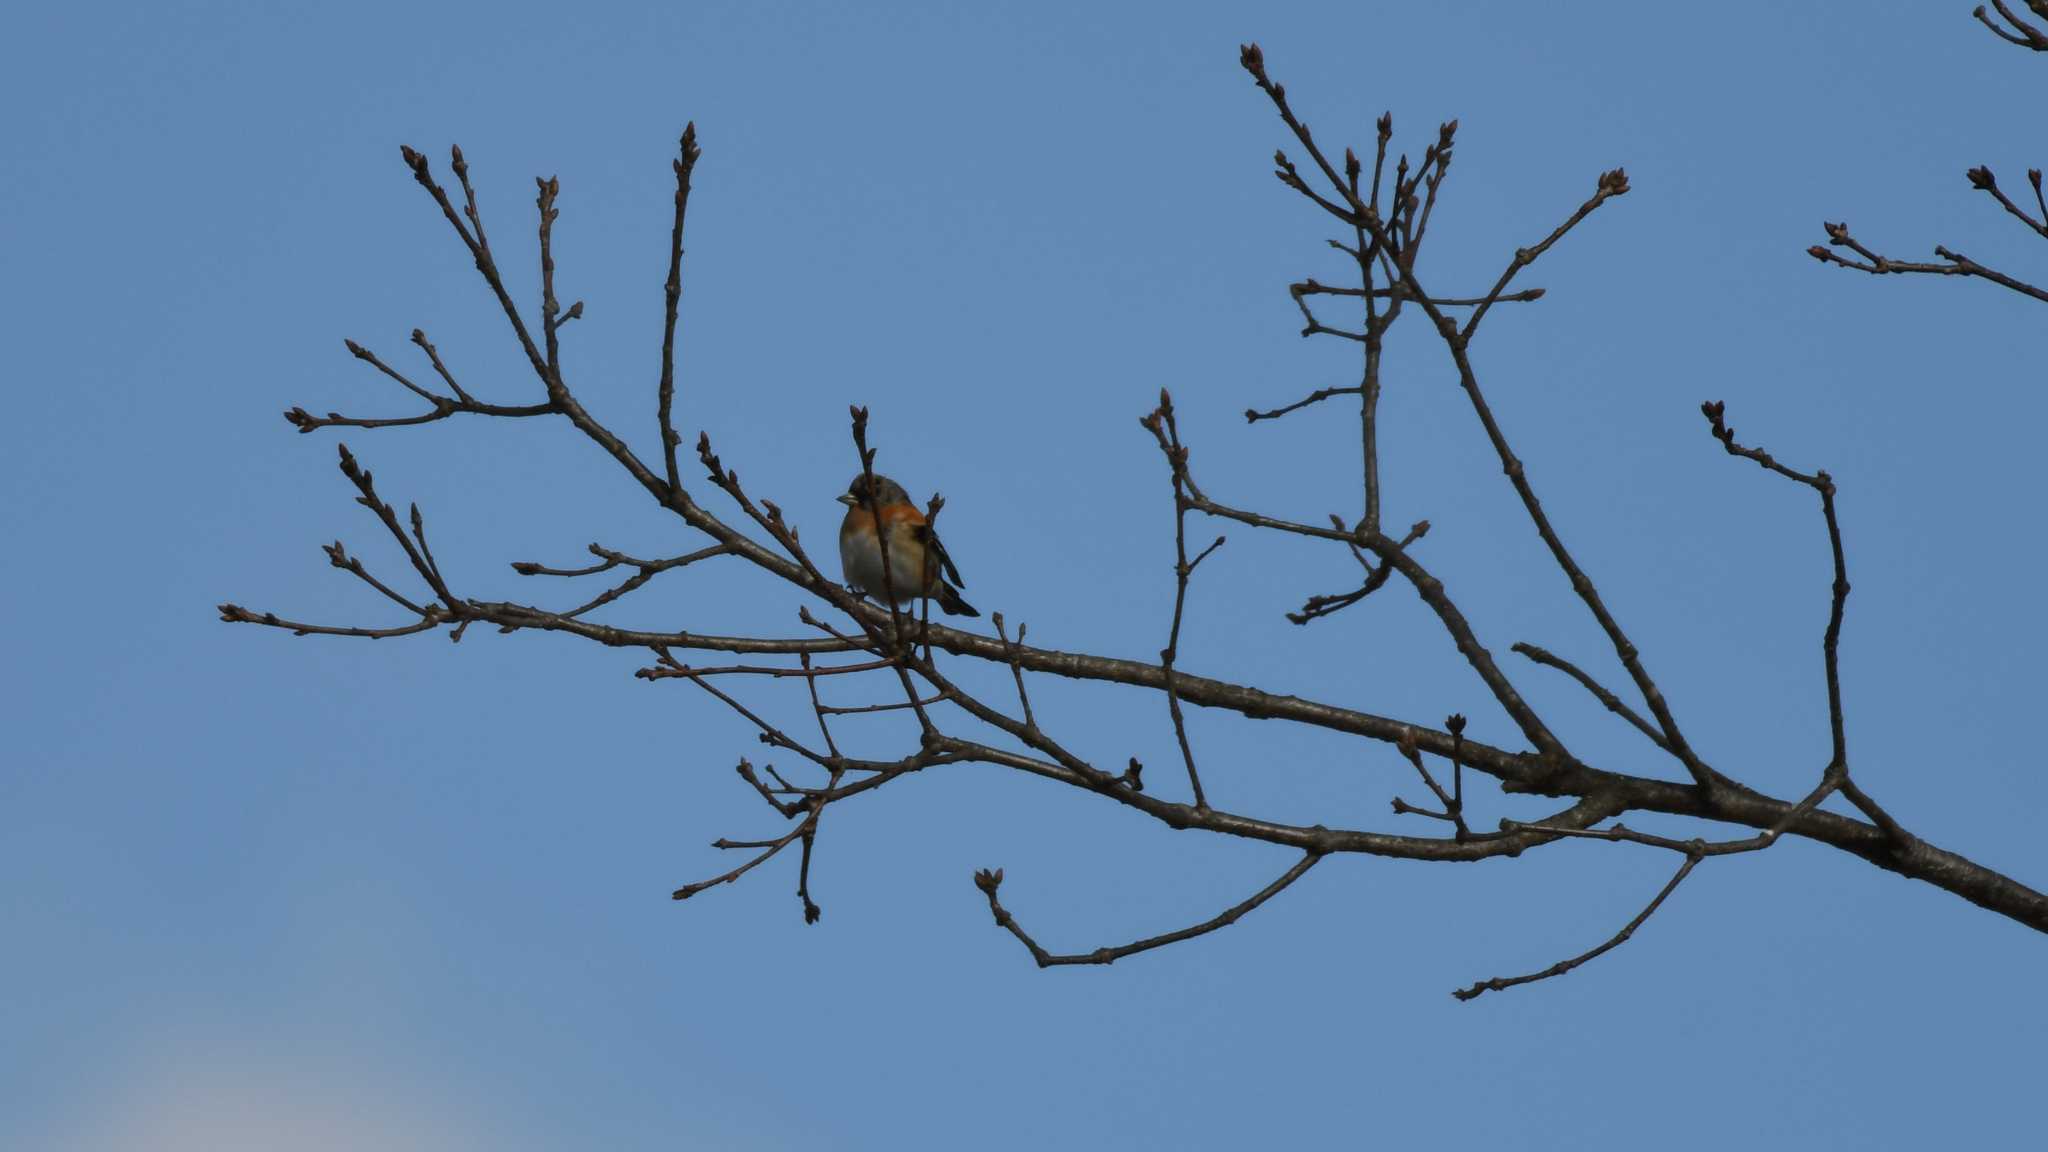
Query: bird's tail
[[951, 602]]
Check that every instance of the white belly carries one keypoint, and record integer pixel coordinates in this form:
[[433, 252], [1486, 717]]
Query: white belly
[[861, 562]]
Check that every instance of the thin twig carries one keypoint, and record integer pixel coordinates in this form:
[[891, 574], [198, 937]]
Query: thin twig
[[818, 706], [1611, 184], [1016, 673], [1563, 966], [339, 557], [1162, 424], [443, 406], [1957, 263], [2024, 34], [236, 614], [1716, 414], [1317, 607], [1453, 805], [1253, 415], [1384, 247], [1612, 702], [549, 308], [684, 164], [988, 881], [1400, 291]]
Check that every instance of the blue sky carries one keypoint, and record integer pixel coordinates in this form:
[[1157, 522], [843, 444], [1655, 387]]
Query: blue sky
[[265, 892]]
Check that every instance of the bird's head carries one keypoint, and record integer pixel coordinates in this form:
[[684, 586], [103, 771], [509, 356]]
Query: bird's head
[[886, 492]]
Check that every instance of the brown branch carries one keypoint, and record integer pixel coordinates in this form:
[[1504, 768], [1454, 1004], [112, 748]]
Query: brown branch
[[818, 706], [434, 357], [1563, 966], [1455, 725], [684, 164], [477, 243], [370, 358], [1716, 414], [1254, 61], [812, 804], [339, 557], [934, 751], [422, 560], [1253, 415], [771, 796], [511, 617], [1016, 673], [1162, 425], [1436, 163], [2023, 34], [646, 570], [236, 614], [1065, 768], [1831, 780], [613, 559], [1957, 264], [771, 848], [305, 421], [809, 839], [1693, 850], [1376, 326], [443, 406], [1433, 594], [1517, 772], [806, 672], [549, 308], [897, 706], [1313, 325], [1611, 184], [1618, 792], [1400, 291], [1384, 246], [1606, 698], [1284, 169], [988, 881], [1703, 775], [1984, 180], [1453, 805], [419, 535], [1317, 607]]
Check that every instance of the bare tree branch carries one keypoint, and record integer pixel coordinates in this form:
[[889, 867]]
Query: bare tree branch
[[685, 163], [1957, 264], [1615, 941], [1389, 219], [1162, 425], [1607, 699], [2023, 34], [1821, 482], [988, 881]]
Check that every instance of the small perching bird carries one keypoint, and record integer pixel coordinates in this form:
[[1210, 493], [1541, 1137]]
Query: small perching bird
[[918, 564]]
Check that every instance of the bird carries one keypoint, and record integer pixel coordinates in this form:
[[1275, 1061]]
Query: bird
[[918, 563]]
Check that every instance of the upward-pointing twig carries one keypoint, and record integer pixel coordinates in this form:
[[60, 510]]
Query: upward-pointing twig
[[684, 164]]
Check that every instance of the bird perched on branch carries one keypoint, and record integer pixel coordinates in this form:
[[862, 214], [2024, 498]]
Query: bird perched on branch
[[918, 564]]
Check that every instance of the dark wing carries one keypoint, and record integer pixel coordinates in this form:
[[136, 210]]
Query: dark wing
[[932, 545]]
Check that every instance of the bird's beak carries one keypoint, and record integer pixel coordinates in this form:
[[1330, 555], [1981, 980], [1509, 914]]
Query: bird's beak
[[847, 499]]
